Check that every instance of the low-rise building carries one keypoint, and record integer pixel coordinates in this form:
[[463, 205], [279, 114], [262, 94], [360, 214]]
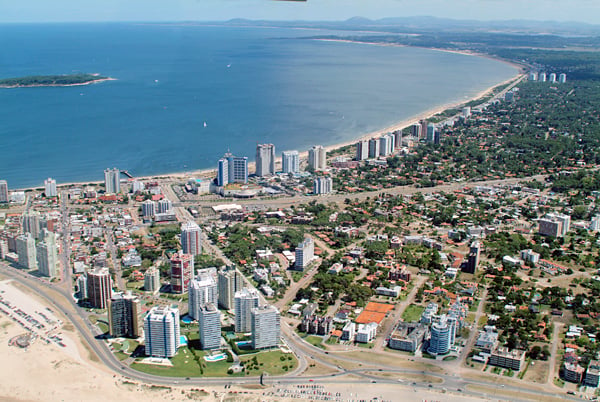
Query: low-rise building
[[507, 358], [366, 332], [408, 336], [572, 372], [592, 374]]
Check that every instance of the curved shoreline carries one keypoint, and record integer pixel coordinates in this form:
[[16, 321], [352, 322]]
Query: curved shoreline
[[402, 124]]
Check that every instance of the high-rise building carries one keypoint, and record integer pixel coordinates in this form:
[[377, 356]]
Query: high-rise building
[[50, 187], [124, 315], [82, 286], [164, 205], [182, 268], [148, 209], [562, 78], [473, 259], [373, 148], [26, 251], [415, 130], [266, 327], [222, 172], [533, 76], [203, 290], [424, 124], [229, 282], [305, 253], [542, 77], [191, 238], [362, 150], [397, 139], [387, 145], [431, 129], [32, 222], [99, 287], [466, 112], [317, 158], [290, 162], [245, 300], [322, 185], [265, 160], [47, 254], [554, 225], [3, 191], [112, 181], [552, 77], [152, 280], [209, 326], [441, 336], [162, 331], [232, 169]]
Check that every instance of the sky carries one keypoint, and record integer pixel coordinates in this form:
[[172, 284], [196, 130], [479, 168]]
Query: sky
[[12, 11]]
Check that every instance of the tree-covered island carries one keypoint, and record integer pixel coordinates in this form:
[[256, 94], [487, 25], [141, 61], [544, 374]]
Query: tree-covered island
[[52, 80]]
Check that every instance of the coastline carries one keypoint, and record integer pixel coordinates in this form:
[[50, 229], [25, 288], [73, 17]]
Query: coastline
[[210, 173]]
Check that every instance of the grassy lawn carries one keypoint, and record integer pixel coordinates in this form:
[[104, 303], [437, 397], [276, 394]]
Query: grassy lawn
[[183, 366], [315, 341], [270, 362], [332, 340], [103, 326], [412, 313], [121, 356], [364, 345]]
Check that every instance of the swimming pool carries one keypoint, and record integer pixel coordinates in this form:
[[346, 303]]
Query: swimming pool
[[216, 358]]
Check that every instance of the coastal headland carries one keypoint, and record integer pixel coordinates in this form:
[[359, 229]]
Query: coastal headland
[[67, 80]]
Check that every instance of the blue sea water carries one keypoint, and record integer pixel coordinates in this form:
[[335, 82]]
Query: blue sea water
[[248, 85]]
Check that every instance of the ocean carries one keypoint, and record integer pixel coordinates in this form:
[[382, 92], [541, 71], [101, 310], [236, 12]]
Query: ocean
[[185, 95]]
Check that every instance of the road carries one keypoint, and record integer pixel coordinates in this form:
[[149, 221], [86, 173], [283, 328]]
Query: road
[[555, 341], [474, 333], [390, 322]]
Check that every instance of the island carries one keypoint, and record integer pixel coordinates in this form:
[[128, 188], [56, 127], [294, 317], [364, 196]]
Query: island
[[66, 80]]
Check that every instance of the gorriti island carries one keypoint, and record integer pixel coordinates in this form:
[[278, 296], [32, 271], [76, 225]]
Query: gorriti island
[[66, 80]]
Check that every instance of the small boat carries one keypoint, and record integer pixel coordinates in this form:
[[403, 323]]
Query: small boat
[[205, 124], [229, 65]]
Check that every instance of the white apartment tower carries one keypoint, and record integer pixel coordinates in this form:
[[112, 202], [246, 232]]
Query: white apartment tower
[[209, 327], [202, 291], [191, 238], [245, 300], [112, 181], [152, 280], [362, 150], [148, 209], [305, 253], [50, 187], [317, 158], [266, 327], [290, 162], [161, 328], [47, 254], [32, 222], [164, 205], [265, 160], [323, 185], [229, 282], [26, 251]]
